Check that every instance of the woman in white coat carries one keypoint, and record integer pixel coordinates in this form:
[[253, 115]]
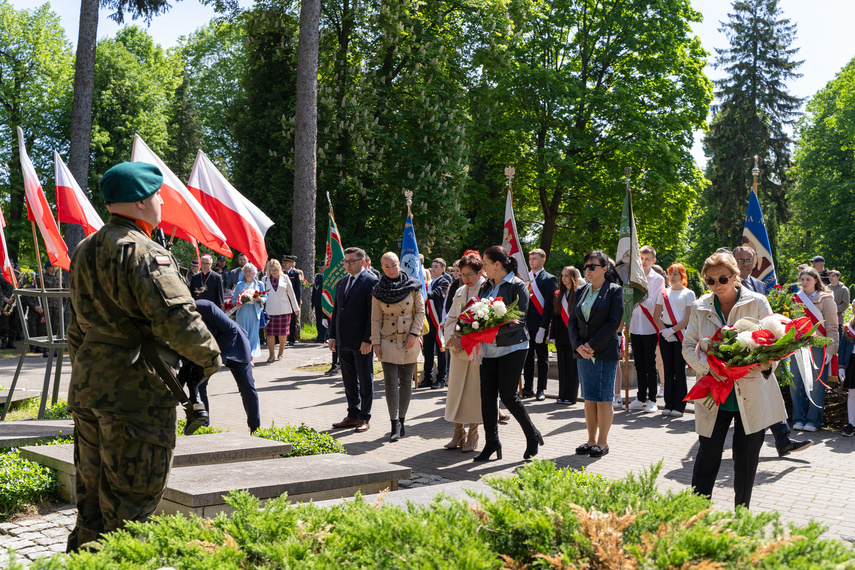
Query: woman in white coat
[[755, 402], [463, 400], [281, 306]]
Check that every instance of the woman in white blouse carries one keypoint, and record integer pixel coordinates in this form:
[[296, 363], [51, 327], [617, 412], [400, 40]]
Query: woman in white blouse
[[672, 312], [281, 305]]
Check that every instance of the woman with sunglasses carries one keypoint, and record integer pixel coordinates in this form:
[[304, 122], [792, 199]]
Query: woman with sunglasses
[[673, 308], [504, 359], [755, 402], [593, 325]]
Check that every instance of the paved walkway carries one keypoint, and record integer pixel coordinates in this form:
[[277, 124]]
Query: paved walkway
[[818, 482]]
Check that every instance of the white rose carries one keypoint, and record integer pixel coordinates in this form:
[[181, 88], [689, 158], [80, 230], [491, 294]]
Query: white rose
[[499, 309], [476, 325], [744, 338], [743, 325], [773, 324]]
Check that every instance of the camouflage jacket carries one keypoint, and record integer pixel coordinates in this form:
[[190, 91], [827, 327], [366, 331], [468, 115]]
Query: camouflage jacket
[[121, 264]]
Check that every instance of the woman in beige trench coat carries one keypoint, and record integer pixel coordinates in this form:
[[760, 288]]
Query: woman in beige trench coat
[[397, 313], [463, 402]]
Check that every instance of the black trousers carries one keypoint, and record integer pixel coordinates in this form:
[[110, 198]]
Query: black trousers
[[357, 373], [499, 379], [539, 352], [675, 374], [644, 353], [568, 374], [242, 373], [429, 348], [746, 455]]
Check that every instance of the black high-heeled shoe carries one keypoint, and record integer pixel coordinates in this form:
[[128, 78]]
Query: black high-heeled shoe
[[488, 450], [531, 445]]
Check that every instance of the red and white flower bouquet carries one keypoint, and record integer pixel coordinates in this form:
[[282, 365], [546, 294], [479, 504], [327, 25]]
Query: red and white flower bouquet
[[479, 321]]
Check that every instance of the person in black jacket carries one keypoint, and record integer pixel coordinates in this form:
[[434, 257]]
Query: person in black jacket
[[207, 284], [542, 286], [236, 354], [568, 374], [296, 277], [593, 325], [503, 360], [432, 342]]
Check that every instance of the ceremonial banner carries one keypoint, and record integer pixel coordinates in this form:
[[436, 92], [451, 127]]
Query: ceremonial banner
[[182, 215], [333, 267], [510, 239], [628, 260], [243, 224], [39, 212], [754, 235], [5, 261], [72, 205], [410, 262]]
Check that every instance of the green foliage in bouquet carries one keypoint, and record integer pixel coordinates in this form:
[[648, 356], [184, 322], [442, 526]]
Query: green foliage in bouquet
[[493, 316], [735, 353]]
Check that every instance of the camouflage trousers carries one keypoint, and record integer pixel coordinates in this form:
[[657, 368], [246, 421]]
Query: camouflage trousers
[[122, 464]]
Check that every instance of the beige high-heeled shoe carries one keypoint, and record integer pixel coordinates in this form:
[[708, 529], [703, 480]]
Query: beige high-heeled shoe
[[458, 438], [472, 440]]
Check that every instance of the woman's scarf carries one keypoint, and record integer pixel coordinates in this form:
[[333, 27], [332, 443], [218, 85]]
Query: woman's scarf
[[392, 291]]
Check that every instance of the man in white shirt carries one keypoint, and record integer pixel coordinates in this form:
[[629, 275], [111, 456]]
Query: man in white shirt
[[644, 336]]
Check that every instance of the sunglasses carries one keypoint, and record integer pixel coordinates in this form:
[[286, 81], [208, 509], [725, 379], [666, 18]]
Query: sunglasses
[[710, 281], [591, 267]]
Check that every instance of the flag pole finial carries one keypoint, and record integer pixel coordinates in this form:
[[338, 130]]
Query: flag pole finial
[[755, 172], [510, 171], [408, 194]]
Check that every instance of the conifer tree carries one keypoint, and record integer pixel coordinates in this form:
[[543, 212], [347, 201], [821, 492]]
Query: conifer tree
[[750, 118]]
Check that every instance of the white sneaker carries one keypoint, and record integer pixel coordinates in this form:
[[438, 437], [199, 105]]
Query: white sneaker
[[635, 405], [810, 427], [799, 426], [617, 402], [676, 414], [666, 412], [661, 392], [651, 407]]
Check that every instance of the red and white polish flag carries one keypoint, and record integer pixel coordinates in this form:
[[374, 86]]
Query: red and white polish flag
[[510, 239], [182, 214], [243, 224], [5, 260], [39, 212], [72, 205]]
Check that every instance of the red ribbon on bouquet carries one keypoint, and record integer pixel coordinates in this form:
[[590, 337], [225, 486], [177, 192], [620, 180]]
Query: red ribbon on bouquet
[[470, 341]]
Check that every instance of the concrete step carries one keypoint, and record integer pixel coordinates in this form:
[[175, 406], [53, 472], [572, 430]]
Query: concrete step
[[29, 432], [205, 449], [200, 489]]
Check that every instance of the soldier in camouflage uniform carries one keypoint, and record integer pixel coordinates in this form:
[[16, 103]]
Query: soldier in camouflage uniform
[[122, 282]]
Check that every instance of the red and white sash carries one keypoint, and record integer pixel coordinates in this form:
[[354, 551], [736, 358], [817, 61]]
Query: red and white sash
[[565, 310], [535, 295], [671, 314], [434, 319], [649, 317], [815, 316]]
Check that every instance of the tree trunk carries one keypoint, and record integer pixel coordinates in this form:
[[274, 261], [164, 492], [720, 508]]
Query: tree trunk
[[81, 111], [305, 144]]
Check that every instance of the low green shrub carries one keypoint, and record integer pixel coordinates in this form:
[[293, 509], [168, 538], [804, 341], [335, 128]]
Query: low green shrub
[[22, 483], [303, 439], [202, 430]]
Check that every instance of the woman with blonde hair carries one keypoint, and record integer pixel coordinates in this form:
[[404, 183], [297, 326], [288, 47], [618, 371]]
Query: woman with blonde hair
[[755, 402], [818, 302], [463, 400], [397, 313], [281, 305]]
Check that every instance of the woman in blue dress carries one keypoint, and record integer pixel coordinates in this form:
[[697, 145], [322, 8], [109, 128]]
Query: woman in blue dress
[[248, 314]]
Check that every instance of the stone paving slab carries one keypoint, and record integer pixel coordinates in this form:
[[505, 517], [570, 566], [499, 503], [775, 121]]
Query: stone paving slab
[[29, 432]]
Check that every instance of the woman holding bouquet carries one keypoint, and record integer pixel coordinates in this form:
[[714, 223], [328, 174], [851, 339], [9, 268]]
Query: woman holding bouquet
[[818, 302], [463, 403], [504, 359], [249, 297], [282, 306], [755, 402], [397, 313], [594, 324]]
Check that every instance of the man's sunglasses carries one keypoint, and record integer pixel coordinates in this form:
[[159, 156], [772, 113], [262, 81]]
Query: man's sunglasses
[[710, 281], [591, 267]]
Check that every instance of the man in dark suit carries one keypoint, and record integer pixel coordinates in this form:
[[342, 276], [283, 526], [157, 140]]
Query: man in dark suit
[[295, 275], [236, 353], [746, 259], [538, 318], [207, 284], [350, 337], [432, 342]]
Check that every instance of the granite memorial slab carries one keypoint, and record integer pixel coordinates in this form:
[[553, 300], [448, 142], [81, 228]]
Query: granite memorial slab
[[19, 433]]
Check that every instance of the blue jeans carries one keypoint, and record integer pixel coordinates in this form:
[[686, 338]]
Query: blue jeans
[[803, 410]]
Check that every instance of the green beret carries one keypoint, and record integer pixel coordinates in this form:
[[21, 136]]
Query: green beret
[[130, 182]]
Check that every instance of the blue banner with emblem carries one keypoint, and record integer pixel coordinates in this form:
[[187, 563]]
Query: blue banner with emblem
[[754, 235], [410, 262]]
